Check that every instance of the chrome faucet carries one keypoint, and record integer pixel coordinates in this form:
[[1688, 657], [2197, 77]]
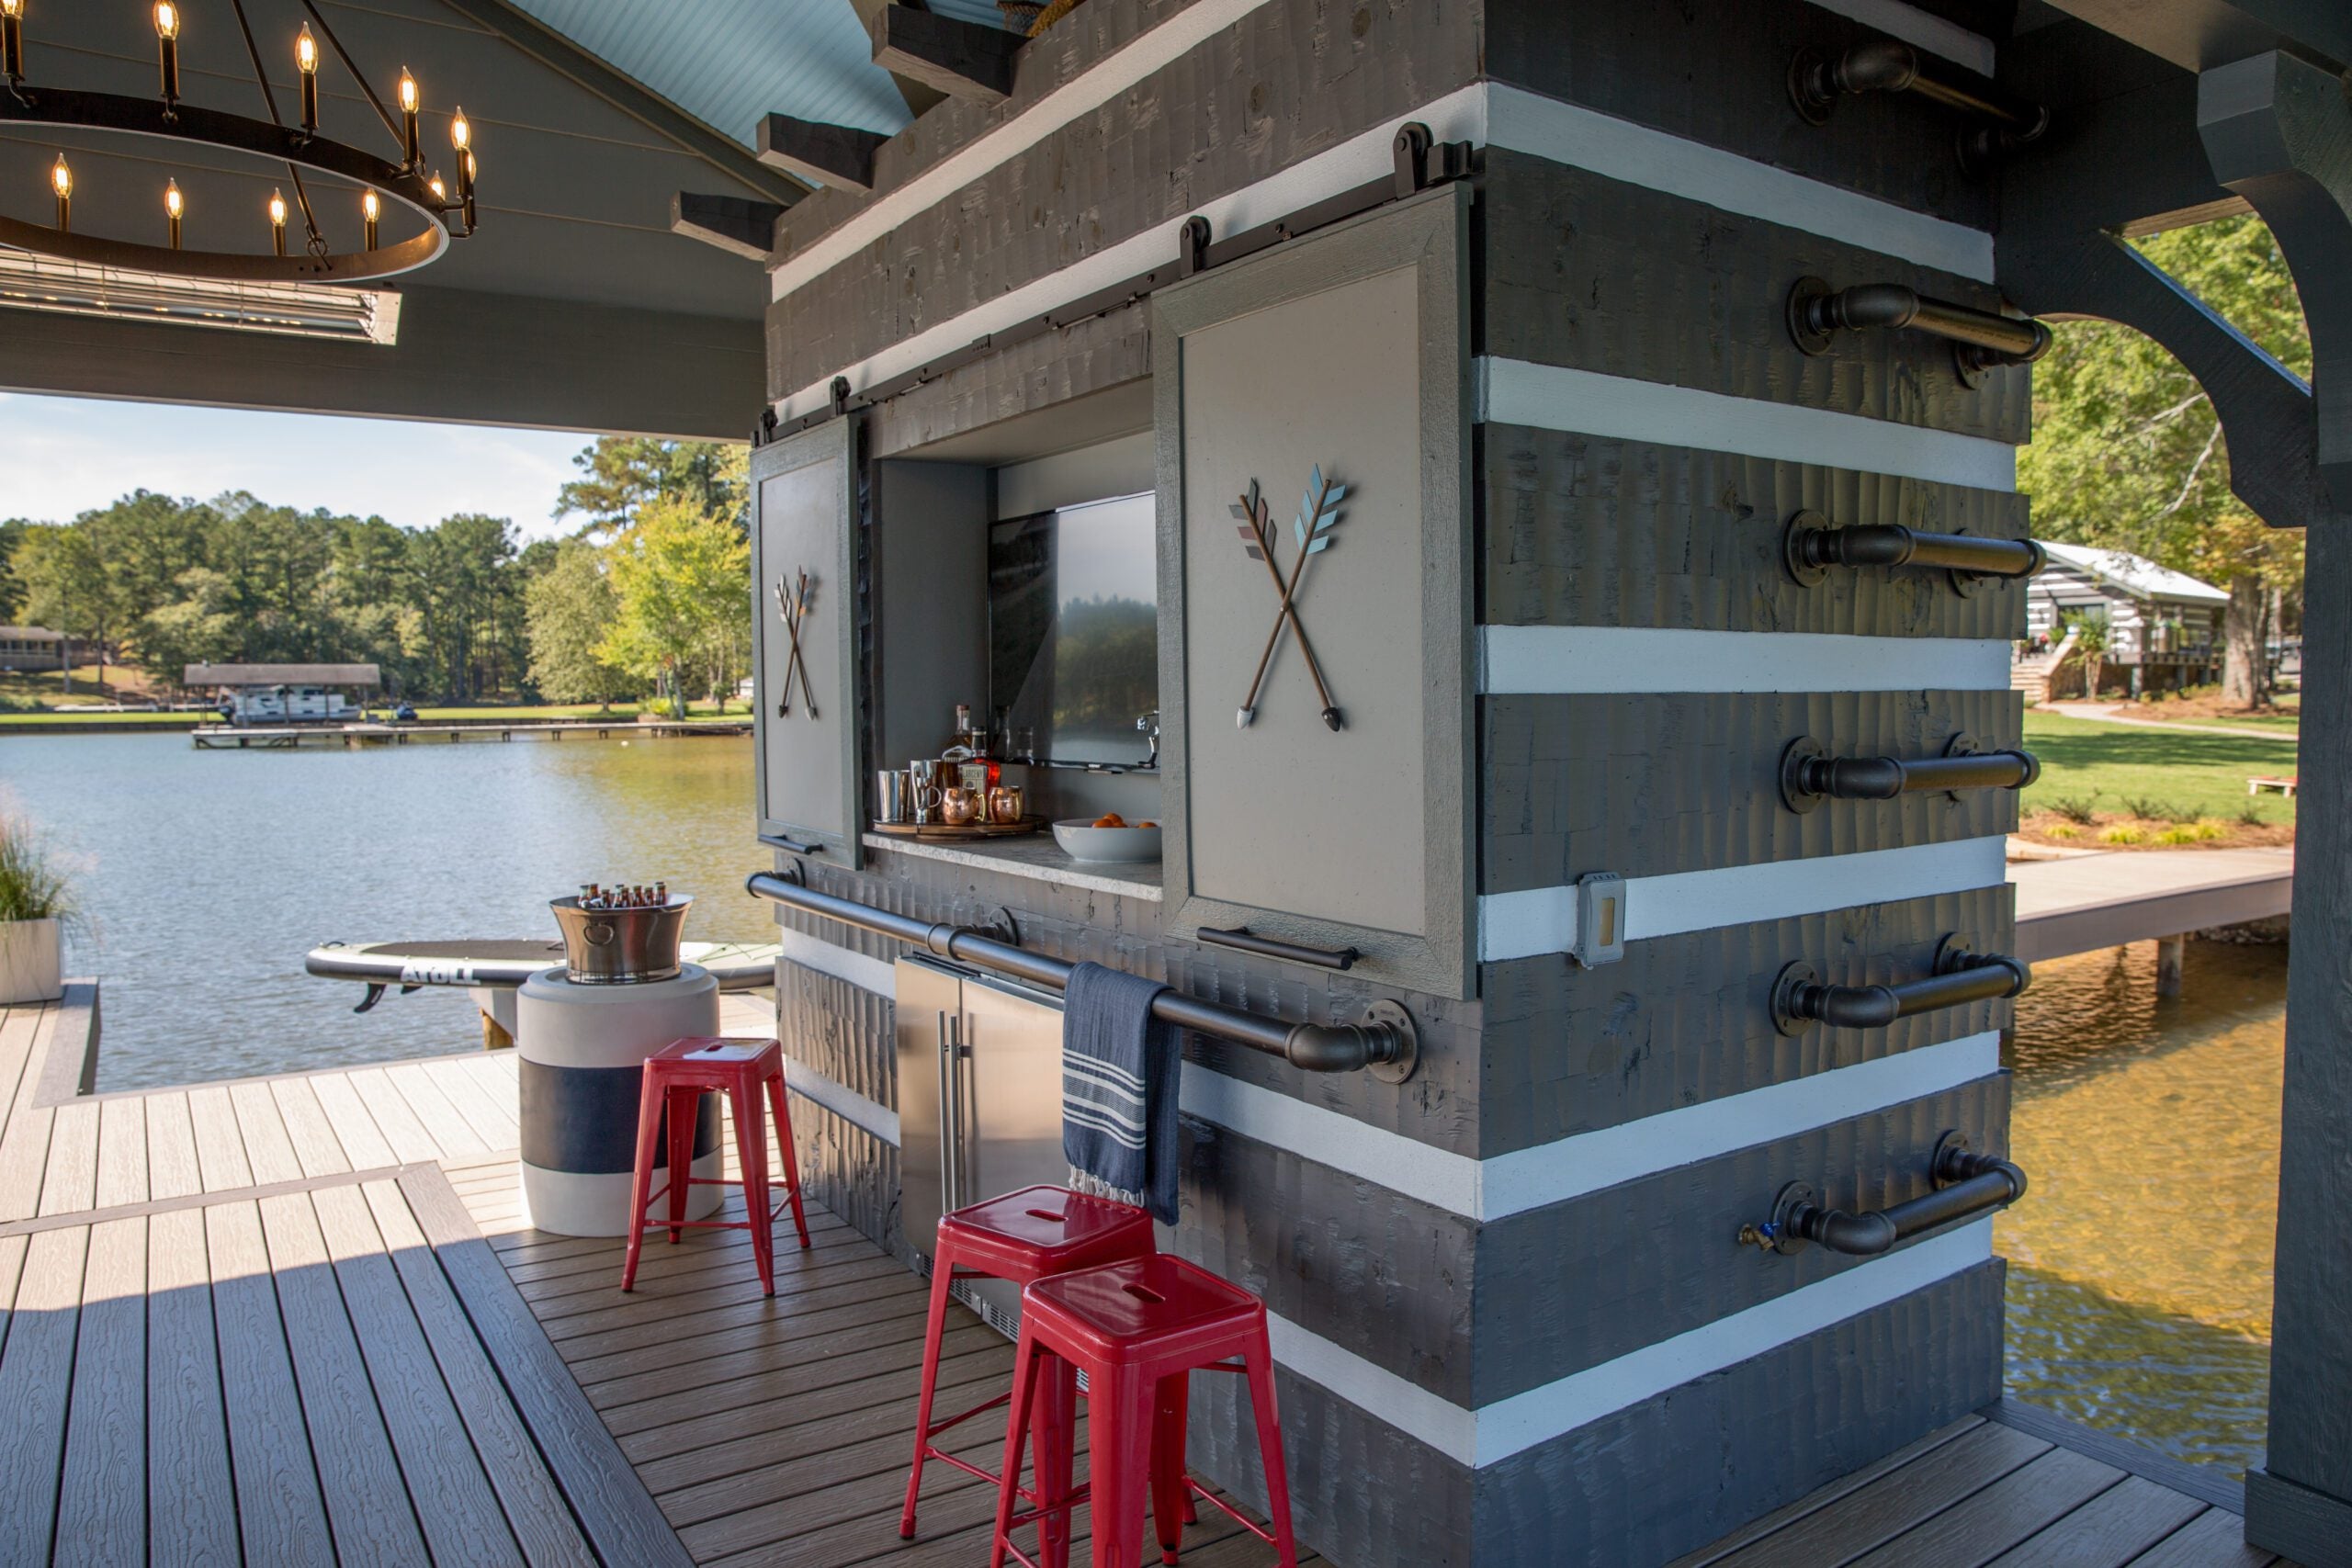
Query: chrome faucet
[[1148, 724]]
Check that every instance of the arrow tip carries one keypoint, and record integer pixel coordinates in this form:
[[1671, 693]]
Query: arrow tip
[[1331, 717], [1243, 716]]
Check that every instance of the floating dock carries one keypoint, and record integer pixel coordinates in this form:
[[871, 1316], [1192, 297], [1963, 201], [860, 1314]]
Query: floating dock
[[287, 738]]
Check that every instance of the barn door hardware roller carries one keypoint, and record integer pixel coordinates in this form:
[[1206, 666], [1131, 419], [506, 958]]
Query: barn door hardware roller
[[1800, 998], [1810, 775], [1965, 1184], [1982, 340], [2000, 124], [1811, 544]]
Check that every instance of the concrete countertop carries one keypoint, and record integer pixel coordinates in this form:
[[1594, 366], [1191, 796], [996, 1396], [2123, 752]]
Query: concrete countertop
[[1036, 856]]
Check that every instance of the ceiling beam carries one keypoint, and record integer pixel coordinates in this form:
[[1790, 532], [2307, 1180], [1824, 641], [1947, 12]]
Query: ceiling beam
[[962, 59], [825, 155], [2197, 35], [739, 225], [919, 97], [630, 96]]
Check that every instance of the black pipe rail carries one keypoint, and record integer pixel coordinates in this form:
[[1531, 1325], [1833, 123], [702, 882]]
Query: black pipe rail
[[1384, 1043], [1241, 939], [1800, 996], [1811, 544], [1809, 775], [1888, 65], [1982, 341], [1965, 1184]]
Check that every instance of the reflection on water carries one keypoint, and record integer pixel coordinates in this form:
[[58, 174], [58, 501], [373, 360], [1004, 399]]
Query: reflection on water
[[207, 874], [2139, 1295]]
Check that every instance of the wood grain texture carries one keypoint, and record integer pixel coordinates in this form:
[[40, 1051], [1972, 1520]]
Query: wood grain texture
[[448, 1129], [1600, 531], [191, 1499], [1688, 1018], [122, 1152], [281, 1515], [70, 1181], [102, 1502], [220, 1146], [2114, 1527], [363, 1142], [36, 1379], [316, 1147], [1879, 1512], [1607, 276], [1823, 1498], [390, 1113], [2215, 1539], [1714, 72], [2018, 1505], [1652, 785], [172, 1168], [269, 1145]]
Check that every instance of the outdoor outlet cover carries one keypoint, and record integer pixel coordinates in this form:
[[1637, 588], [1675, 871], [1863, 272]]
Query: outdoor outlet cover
[[1600, 919]]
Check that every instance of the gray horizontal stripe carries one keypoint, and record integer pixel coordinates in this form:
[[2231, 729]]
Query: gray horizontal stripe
[[582, 1120]]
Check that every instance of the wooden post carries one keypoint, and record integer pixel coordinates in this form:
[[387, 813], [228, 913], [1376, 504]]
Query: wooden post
[[2171, 953], [494, 1034]]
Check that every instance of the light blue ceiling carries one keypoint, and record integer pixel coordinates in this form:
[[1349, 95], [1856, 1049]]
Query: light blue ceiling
[[728, 62]]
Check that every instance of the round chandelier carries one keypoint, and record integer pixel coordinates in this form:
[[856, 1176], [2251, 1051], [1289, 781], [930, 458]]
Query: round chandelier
[[383, 186]]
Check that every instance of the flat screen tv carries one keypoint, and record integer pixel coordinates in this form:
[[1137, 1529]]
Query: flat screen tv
[[1074, 629]]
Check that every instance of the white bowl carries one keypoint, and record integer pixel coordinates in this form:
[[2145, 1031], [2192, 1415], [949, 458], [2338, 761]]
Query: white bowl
[[1081, 839]]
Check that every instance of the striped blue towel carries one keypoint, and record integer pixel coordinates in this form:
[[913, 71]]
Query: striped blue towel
[[1119, 1090]]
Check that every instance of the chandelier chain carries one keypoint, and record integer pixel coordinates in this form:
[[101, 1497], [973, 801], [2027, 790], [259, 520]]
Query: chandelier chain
[[315, 242], [356, 75]]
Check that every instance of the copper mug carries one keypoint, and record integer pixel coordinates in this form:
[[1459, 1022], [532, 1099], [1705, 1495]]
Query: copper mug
[[1005, 804], [958, 806]]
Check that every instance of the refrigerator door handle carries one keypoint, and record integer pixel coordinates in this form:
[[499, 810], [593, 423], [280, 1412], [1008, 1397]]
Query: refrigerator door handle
[[950, 1133]]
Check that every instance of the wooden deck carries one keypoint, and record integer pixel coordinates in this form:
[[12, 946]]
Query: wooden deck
[[299, 1319]]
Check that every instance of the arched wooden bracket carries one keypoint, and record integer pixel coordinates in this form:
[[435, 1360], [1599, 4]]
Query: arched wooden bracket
[[1811, 544], [1800, 998], [1981, 342], [1964, 1185], [2001, 123], [1809, 775]]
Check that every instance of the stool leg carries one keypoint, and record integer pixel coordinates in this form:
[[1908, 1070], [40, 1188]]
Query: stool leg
[[943, 1274], [1270, 1450], [751, 1154], [685, 1110], [791, 1161], [1168, 1494], [1054, 1440], [1007, 1491], [640, 1184], [1121, 1409]]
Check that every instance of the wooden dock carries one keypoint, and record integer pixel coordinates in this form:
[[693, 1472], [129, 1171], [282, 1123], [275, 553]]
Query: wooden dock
[[355, 736], [2083, 903], [299, 1319]]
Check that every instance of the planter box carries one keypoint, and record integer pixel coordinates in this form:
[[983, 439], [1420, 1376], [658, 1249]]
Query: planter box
[[30, 964]]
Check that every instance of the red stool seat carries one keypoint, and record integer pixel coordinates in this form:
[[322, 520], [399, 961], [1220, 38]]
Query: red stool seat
[[677, 1077], [1021, 1237], [1137, 1329]]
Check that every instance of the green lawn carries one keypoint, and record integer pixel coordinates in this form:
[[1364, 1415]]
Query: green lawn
[[621, 712], [2110, 766], [79, 720]]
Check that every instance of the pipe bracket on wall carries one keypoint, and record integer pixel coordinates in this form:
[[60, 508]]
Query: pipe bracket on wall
[[1997, 123], [1809, 775], [1964, 1185], [1800, 998], [1982, 340], [1811, 544]]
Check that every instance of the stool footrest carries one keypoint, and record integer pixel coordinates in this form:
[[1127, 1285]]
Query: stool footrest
[[1228, 1509], [1004, 1398]]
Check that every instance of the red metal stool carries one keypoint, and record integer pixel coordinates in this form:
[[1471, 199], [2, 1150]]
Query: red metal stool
[[1138, 1330], [678, 1075], [1022, 1236]]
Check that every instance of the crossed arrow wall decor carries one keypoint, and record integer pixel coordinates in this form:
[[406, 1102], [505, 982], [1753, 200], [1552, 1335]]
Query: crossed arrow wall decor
[[1319, 516], [794, 609]]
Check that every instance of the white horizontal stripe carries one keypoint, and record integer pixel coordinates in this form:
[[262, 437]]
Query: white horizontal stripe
[[1011, 136], [1459, 116], [1914, 26], [1510, 1426], [1584, 139], [1561, 659], [1515, 1183], [842, 1102], [1525, 923], [830, 958], [1550, 397], [1495, 1432]]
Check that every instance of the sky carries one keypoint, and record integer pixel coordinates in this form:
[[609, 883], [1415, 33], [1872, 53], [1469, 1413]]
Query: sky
[[61, 457]]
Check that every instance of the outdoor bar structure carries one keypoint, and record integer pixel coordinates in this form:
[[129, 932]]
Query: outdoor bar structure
[[1520, 496]]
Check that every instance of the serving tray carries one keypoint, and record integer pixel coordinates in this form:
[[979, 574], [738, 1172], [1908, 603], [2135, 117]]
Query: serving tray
[[943, 832]]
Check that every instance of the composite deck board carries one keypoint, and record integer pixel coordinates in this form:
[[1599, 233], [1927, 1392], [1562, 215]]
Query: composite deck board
[[450, 1132], [69, 1183], [191, 1505], [281, 1513], [492, 1124], [316, 1147], [102, 1501], [122, 1153], [23, 1155], [220, 1146], [269, 1145], [2215, 1539], [390, 1113], [2114, 1527], [1971, 1533], [36, 1377], [364, 1144], [1877, 1513], [173, 1169], [1822, 1496]]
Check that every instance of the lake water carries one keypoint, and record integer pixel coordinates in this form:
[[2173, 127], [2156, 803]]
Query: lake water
[[207, 874], [2139, 1293]]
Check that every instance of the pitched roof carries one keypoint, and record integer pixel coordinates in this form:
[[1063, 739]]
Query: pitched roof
[[2134, 575], [282, 675]]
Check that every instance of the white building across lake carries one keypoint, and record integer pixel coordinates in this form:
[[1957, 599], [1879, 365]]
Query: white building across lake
[[2164, 627]]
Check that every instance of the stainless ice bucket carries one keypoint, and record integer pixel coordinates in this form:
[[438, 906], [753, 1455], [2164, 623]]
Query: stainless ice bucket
[[621, 947]]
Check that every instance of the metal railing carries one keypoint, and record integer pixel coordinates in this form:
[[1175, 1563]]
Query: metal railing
[[1811, 544], [1810, 775], [1888, 65], [1384, 1044], [1982, 340], [1800, 998], [1965, 1184]]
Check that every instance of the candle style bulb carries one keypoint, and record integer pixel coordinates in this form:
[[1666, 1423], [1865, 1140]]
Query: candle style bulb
[[370, 209], [277, 220], [175, 208], [409, 99], [461, 132], [61, 180], [305, 61], [440, 192], [167, 44]]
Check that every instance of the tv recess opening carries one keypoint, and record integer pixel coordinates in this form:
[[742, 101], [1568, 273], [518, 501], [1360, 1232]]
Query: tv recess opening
[[1074, 630]]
